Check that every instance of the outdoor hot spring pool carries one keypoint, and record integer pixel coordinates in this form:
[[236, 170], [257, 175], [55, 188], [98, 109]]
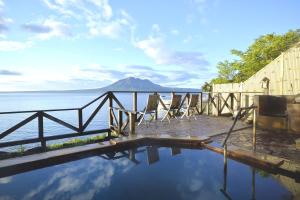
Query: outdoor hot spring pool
[[147, 173]]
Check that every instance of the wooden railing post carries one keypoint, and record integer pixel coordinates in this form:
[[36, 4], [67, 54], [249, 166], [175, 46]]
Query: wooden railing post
[[218, 104], [110, 117], [239, 101], [201, 105], [134, 102], [156, 111], [120, 120], [132, 123], [188, 96], [232, 101], [208, 102], [41, 130], [80, 123]]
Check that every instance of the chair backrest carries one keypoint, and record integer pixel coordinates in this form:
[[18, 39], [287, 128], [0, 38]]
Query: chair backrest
[[194, 100], [152, 104], [175, 102]]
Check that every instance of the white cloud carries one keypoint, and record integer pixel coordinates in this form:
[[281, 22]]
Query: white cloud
[[4, 22], [155, 28], [7, 45], [188, 39], [48, 29], [5, 180], [174, 32], [107, 12], [97, 15], [155, 48], [198, 11], [1, 4], [201, 5], [111, 29]]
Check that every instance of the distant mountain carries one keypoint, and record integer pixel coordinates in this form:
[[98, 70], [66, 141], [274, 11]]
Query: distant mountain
[[136, 84], [133, 84], [127, 84]]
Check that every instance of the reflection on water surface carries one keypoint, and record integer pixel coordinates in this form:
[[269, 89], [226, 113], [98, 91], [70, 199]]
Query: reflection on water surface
[[147, 173]]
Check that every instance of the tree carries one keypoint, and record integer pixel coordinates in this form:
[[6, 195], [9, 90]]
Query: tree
[[264, 49], [206, 87]]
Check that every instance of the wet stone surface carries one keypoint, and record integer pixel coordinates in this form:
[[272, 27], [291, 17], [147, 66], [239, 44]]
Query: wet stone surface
[[201, 126], [277, 144]]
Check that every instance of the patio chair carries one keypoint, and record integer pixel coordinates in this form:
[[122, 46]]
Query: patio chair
[[150, 109], [191, 108], [173, 107]]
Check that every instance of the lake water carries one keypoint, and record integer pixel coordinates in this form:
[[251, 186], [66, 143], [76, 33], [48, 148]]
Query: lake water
[[153, 173]]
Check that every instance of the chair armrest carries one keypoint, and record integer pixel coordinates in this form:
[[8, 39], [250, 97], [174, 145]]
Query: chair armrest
[[125, 111]]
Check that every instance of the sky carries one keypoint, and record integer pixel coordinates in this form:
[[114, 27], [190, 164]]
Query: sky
[[78, 44]]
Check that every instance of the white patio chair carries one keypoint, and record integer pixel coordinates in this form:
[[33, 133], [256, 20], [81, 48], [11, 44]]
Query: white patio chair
[[150, 109], [173, 107], [191, 108]]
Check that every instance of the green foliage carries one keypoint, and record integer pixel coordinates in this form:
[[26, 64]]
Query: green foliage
[[77, 142], [264, 49], [21, 150], [206, 87]]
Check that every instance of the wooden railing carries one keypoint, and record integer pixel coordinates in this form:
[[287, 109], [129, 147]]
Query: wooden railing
[[40, 115], [119, 117]]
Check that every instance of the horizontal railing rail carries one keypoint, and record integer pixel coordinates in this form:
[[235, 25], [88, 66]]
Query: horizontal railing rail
[[35, 111]]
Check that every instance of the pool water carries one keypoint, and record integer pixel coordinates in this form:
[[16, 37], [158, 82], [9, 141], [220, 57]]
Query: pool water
[[145, 173]]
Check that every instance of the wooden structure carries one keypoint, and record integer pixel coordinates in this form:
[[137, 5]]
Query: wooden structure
[[279, 77], [120, 119]]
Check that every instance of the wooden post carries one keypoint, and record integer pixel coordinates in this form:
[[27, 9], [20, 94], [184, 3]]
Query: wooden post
[[156, 111], [110, 117], [188, 102], [173, 111], [80, 124], [132, 123], [239, 103], [41, 130], [208, 102], [232, 101], [254, 129], [225, 154], [219, 104], [120, 120], [134, 103], [201, 105]]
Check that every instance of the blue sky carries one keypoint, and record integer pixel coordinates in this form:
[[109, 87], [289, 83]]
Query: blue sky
[[75, 44]]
